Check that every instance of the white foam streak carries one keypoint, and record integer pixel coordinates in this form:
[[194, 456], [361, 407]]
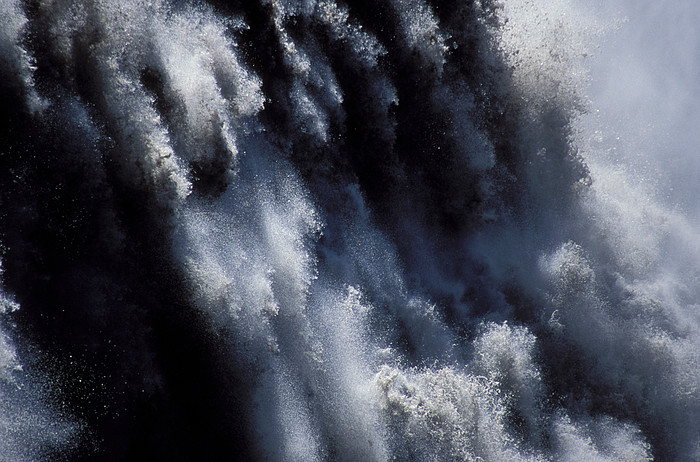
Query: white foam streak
[[543, 43], [13, 56], [602, 440], [27, 425], [188, 51], [366, 47], [420, 31]]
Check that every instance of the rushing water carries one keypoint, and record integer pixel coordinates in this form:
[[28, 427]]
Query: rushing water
[[289, 230]]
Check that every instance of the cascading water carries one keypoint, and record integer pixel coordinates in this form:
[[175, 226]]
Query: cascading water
[[338, 230]]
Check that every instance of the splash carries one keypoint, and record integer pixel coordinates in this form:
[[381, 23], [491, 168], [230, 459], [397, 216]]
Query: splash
[[320, 230]]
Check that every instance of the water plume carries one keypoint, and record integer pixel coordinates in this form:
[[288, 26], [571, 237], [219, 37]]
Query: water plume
[[332, 230]]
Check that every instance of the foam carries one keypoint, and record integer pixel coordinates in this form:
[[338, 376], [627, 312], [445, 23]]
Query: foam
[[29, 426], [454, 275], [14, 57]]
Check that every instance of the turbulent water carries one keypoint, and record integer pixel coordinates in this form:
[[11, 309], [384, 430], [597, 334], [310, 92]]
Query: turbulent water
[[298, 230]]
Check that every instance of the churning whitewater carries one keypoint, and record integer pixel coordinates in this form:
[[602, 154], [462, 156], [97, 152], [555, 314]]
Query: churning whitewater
[[319, 230]]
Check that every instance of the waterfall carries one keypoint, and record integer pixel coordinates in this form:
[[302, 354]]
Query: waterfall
[[319, 230]]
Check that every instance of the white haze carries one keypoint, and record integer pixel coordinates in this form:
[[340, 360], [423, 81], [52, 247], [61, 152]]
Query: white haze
[[643, 92]]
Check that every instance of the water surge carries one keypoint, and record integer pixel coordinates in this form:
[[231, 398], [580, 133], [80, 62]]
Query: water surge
[[300, 230]]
